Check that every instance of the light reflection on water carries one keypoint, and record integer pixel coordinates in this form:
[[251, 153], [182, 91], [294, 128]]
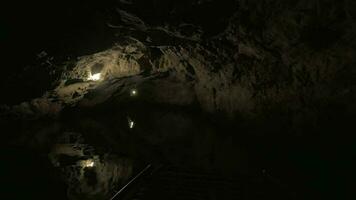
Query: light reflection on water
[[87, 174]]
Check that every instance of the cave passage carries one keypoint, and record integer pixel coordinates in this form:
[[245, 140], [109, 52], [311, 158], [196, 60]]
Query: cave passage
[[165, 99]]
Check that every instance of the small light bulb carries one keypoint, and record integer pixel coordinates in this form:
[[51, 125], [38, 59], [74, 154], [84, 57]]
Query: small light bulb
[[133, 92], [88, 163], [95, 77]]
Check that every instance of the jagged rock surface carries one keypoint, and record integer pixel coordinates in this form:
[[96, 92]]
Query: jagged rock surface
[[280, 67]]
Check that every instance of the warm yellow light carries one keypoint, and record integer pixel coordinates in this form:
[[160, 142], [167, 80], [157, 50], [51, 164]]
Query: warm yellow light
[[133, 92], [95, 77], [87, 163]]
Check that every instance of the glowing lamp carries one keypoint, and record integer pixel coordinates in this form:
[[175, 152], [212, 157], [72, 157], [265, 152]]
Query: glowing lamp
[[88, 163], [133, 92], [95, 77]]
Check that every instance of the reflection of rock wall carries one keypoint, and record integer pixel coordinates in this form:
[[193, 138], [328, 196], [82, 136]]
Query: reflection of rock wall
[[87, 174]]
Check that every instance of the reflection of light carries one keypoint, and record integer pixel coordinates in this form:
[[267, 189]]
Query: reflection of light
[[95, 77], [133, 92], [87, 163], [131, 123]]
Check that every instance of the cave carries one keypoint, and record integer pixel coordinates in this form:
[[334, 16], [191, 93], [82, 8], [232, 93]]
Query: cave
[[177, 99]]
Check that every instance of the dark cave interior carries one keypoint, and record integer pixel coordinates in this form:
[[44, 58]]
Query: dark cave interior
[[189, 99]]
